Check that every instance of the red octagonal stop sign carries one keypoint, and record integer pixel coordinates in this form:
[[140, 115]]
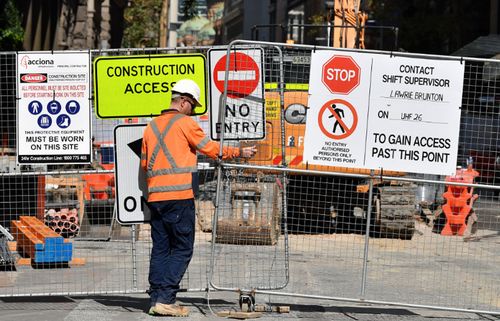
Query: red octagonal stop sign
[[340, 74]]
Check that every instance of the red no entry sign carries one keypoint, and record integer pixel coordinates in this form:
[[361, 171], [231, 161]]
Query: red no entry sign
[[337, 119], [243, 75]]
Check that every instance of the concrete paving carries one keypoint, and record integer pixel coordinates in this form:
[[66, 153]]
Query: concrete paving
[[395, 275], [134, 307]]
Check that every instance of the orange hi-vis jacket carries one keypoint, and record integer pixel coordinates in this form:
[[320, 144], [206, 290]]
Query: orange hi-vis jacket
[[168, 155]]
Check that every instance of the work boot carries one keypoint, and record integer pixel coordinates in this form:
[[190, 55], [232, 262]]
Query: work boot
[[173, 310]]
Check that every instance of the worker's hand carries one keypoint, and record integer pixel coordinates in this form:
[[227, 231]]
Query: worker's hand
[[248, 151]]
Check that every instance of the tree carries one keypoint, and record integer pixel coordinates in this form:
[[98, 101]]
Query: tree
[[142, 24], [189, 9], [142, 21], [11, 31]]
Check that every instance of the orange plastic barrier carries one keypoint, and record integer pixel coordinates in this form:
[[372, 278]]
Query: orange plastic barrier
[[459, 201], [98, 186]]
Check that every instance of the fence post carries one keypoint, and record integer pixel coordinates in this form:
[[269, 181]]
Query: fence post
[[367, 234]]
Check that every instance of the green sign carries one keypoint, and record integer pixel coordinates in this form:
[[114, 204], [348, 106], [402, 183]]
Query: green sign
[[141, 86]]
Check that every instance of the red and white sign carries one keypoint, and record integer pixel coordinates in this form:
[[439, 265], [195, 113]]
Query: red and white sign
[[338, 100], [378, 111], [243, 75], [243, 116], [34, 78], [341, 74], [337, 119]]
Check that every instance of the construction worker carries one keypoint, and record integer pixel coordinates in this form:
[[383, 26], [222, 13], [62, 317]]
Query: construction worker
[[169, 159]]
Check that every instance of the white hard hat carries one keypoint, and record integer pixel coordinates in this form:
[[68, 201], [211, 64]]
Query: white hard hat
[[189, 88]]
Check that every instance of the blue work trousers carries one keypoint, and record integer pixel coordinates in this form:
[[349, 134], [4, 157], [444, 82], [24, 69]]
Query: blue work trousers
[[172, 232]]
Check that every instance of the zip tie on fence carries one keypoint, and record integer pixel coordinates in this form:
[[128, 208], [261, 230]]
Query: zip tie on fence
[[17, 98], [235, 64], [278, 182]]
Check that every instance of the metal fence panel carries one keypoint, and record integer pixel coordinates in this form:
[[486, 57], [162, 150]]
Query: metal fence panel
[[77, 201], [249, 204], [403, 256], [283, 227]]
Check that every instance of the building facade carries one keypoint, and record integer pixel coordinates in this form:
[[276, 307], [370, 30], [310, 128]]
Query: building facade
[[72, 24]]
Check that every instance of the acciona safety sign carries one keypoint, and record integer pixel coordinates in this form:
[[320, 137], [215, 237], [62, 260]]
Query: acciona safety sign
[[373, 111], [53, 109], [244, 111], [140, 86]]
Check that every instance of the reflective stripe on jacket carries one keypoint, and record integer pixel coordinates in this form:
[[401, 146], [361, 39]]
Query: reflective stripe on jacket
[[168, 155]]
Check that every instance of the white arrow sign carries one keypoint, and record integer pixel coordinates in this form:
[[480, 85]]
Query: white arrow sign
[[130, 179]]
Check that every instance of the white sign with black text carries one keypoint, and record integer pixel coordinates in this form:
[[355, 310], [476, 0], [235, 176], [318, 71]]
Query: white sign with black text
[[244, 112], [53, 111], [130, 179], [381, 112], [414, 118]]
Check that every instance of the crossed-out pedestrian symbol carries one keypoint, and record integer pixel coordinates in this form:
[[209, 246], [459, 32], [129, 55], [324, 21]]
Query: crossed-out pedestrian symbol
[[337, 119]]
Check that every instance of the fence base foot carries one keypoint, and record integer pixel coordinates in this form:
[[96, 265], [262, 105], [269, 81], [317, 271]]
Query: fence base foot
[[270, 308], [239, 315], [247, 301]]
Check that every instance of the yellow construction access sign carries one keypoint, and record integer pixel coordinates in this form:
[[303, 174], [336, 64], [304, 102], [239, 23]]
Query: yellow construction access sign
[[140, 86]]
